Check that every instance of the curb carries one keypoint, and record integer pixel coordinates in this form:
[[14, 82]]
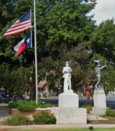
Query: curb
[[59, 126]]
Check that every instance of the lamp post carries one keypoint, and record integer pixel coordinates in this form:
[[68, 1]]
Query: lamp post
[[7, 98], [0, 98], [14, 97], [23, 96]]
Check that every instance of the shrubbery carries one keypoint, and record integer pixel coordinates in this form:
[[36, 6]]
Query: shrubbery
[[44, 118], [88, 108], [12, 105], [17, 119], [110, 112], [28, 105], [40, 118]]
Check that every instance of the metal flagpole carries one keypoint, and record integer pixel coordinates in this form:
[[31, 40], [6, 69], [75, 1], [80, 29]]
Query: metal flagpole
[[35, 46]]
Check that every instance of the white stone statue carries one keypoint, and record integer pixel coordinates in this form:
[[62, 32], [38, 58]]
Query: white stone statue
[[67, 77], [98, 69]]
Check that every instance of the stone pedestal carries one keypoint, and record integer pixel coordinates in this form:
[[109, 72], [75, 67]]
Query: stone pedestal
[[73, 115], [67, 111], [68, 99], [99, 100]]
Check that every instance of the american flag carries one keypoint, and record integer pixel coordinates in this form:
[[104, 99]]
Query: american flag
[[22, 24]]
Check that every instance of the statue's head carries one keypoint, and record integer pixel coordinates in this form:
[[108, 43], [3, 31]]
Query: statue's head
[[67, 62], [98, 65], [97, 62]]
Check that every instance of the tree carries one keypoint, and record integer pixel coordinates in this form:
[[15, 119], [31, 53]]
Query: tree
[[102, 42], [108, 79], [63, 30], [11, 78], [63, 24]]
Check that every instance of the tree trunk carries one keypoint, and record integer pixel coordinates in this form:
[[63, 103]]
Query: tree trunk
[[32, 93]]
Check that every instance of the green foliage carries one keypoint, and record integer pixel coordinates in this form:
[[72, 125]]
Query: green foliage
[[25, 105], [110, 112], [44, 118], [59, 24], [99, 57], [108, 78], [17, 119], [12, 105], [103, 39], [16, 80], [28, 105], [64, 31], [87, 107]]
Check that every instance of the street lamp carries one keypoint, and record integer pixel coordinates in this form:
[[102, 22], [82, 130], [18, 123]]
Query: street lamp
[[15, 97], [7, 98], [0, 98]]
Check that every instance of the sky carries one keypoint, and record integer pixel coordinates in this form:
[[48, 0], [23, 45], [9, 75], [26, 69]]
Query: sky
[[104, 10]]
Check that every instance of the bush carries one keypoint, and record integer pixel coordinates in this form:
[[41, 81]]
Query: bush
[[44, 118], [44, 105], [28, 105], [110, 112], [12, 105], [17, 119], [88, 108]]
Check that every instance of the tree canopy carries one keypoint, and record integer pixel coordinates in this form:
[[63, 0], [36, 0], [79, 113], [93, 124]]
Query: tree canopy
[[64, 33]]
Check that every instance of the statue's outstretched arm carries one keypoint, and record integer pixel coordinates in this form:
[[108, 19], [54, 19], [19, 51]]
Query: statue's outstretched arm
[[103, 66]]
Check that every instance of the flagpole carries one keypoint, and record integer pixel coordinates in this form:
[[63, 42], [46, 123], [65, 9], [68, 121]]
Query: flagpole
[[35, 46]]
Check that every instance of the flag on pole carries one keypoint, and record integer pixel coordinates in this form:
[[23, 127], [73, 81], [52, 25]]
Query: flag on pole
[[22, 24], [23, 44]]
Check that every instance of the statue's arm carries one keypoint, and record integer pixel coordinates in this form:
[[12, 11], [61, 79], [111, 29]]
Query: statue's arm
[[70, 69], [63, 71], [103, 66]]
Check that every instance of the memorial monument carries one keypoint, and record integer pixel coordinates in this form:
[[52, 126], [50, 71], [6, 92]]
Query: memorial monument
[[99, 97], [68, 110], [68, 98], [67, 77], [98, 71]]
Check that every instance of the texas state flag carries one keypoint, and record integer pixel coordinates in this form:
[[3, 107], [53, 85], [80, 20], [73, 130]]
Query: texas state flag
[[23, 44]]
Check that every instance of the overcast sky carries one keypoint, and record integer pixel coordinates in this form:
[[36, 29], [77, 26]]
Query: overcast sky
[[105, 9]]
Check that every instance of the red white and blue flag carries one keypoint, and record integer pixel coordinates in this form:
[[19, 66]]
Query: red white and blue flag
[[23, 44], [22, 24]]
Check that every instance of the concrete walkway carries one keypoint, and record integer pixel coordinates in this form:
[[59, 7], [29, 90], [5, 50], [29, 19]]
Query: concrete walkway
[[73, 126], [4, 115]]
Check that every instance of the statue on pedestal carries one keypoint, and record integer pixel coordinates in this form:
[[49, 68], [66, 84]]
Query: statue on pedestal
[[98, 69], [67, 77]]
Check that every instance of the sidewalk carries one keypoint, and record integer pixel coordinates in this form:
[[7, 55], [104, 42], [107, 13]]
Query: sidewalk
[[73, 126], [4, 111]]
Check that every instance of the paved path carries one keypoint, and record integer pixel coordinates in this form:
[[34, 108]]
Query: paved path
[[73, 126], [4, 114]]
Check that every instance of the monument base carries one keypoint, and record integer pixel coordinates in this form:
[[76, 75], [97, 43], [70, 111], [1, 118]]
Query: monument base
[[99, 99], [68, 99], [69, 115], [98, 111]]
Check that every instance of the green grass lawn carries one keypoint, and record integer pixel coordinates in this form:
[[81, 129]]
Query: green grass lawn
[[80, 129]]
